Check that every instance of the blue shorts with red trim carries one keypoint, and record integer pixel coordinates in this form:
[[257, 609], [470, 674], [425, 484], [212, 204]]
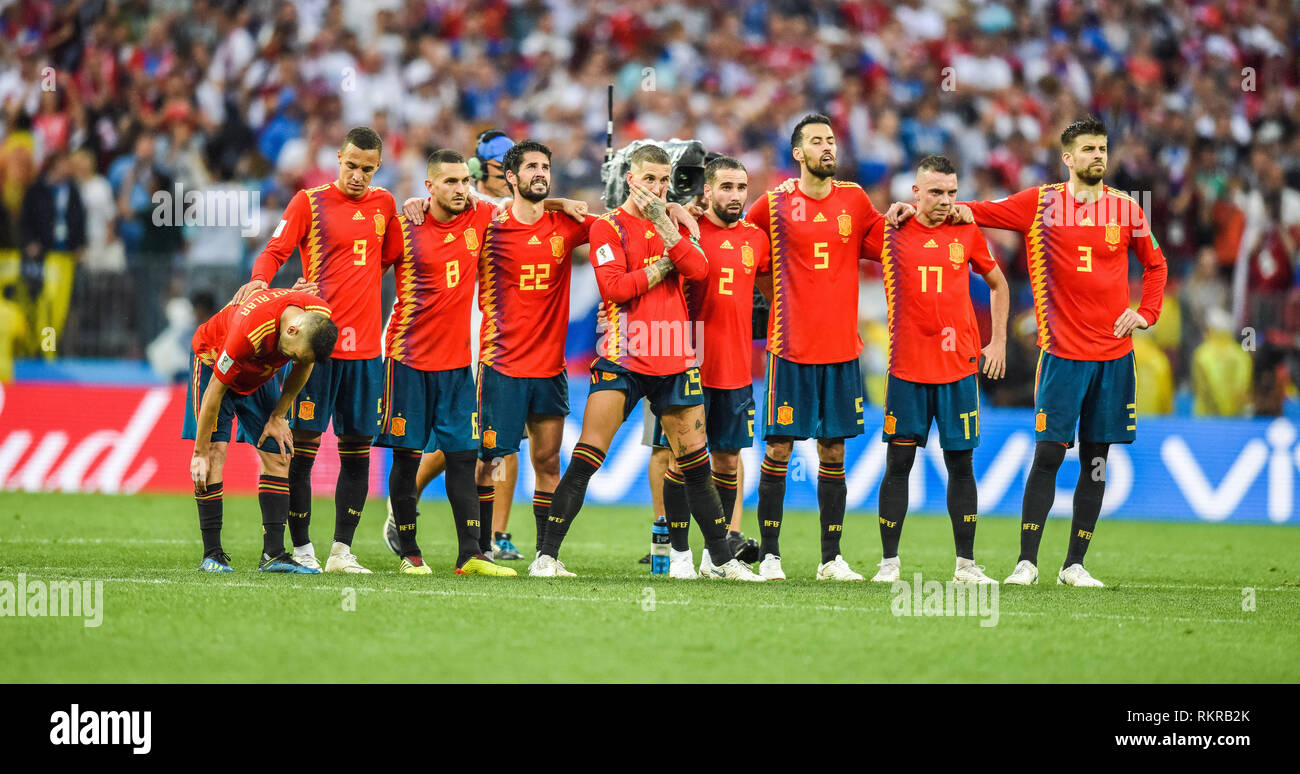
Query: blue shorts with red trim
[[805, 400], [428, 410], [1100, 396], [346, 391], [910, 408], [253, 409]]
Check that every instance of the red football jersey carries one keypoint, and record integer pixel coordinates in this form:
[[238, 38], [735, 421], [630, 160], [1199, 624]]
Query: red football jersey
[[927, 295], [816, 244], [647, 331], [242, 343], [339, 238], [1078, 265], [523, 290], [724, 302], [436, 264]]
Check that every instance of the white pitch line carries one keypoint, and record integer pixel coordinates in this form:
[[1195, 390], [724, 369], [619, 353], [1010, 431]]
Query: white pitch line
[[98, 541], [625, 601]]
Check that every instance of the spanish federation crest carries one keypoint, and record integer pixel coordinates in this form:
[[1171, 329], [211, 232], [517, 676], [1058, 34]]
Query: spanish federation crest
[[307, 410], [747, 256], [557, 246], [1112, 233], [471, 239], [891, 424], [379, 224], [399, 426], [785, 415], [489, 439], [956, 254], [845, 222]]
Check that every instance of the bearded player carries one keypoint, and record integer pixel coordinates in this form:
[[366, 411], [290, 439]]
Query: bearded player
[[641, 258], [236, 354], [1078, 235], [814, 385], [428, 387], [934, 351], [722, 304], [339, 229]]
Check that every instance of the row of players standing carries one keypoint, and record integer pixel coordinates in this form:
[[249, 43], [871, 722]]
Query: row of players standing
[[801, 242]]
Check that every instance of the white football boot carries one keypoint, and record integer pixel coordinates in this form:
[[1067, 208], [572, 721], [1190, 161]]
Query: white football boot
[[306, 556], [342, 560], [837, 569], [681, 564], [1075, 575], [888, 572], [549, 567], [1025, 574], [969, 572], [770, 568], [734, 570]]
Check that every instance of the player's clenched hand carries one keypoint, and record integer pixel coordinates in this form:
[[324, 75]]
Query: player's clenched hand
[[247, 289], [414, 210], [304, 286], [1129, 322], [961, 214], [199, 474], [680, 216], [899, 212], [787, 185], [574, 209], [277, 428], [995, 359]]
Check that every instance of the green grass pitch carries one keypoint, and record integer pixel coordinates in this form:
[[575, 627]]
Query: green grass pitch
[[1172, 612]]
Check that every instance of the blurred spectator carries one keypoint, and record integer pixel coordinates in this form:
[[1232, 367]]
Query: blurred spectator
[[53, 236], [13, 331], [1221, 371], [1155, 377]]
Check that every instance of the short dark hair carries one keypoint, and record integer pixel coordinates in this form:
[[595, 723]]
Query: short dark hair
[[649, 154], [796, 136], [322, 341], [514, 157], [941, 164], [1087, 125], [443, 156], [364, 138], [722, 162]]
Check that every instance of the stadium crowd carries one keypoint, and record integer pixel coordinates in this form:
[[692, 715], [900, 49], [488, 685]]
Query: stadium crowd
[[106, 104]]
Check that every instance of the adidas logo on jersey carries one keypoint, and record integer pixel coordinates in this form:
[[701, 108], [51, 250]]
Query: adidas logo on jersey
[[820, 218], [533, 240], [449, 238], [726, 245], [931, 244], [358, 216]]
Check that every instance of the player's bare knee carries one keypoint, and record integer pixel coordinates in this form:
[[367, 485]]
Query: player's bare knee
[[306, 436], [547, 466], [483, 471], [274, 464], [780, 450], [830, 450], [726, 462], [216, 460]]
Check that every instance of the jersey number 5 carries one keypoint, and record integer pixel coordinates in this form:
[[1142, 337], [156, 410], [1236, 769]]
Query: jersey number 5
[[820, 251]]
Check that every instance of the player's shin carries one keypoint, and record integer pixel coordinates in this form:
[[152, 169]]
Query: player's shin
[[464, 503], [1088, 494], [704, 503], [832, 494], [487, 501], [963, 500], [351, 490], [304, 456], [273, 497], [541, 512], [401, 493], [569, 495], [727, 490], [678, 511], [210, 505], [771, 505], [1040, 492], [893, 495]]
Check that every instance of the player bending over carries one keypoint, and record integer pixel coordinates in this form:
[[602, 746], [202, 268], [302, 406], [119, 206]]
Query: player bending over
[[243, 346], [934, 351]]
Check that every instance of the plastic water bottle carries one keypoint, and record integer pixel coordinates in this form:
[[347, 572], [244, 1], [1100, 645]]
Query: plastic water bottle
[[659, 545]]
